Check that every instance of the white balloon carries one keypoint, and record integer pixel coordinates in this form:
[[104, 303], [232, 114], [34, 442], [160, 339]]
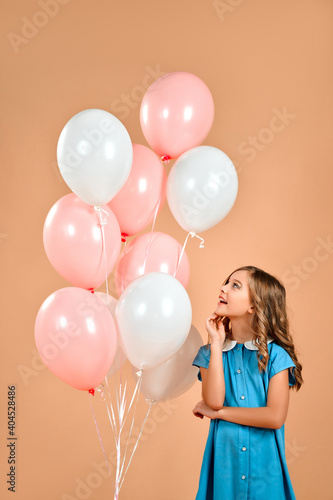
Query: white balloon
[[119, 357], [201, 188], [95, 155], [176, 375], [154, 317]]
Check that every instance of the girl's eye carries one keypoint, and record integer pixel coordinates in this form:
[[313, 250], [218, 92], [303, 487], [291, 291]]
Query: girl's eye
[[236, 285]]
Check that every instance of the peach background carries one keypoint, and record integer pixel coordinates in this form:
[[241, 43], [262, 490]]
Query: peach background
[[256, 57]]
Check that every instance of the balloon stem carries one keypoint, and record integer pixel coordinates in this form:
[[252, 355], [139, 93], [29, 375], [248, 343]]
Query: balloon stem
[[123, 237], [92, 391], [91, 290]]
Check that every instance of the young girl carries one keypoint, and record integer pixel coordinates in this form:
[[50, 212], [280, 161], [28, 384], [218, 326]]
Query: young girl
[[246, 372]]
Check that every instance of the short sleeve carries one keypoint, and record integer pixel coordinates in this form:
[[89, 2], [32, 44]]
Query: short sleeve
[[280, 360], [202, 359]]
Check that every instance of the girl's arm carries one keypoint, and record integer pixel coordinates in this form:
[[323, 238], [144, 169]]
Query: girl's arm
[[213, 387], [271, 416]]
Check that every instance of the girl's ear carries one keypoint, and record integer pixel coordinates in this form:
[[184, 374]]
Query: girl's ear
[[251, 309]]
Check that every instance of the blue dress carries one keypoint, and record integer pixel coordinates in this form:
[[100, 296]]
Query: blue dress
[[242, 462]]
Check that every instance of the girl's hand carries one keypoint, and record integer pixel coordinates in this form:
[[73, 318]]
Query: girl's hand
[[215, 329], [202, 410]]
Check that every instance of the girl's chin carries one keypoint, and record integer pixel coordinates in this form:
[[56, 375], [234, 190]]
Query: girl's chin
[[221, 309]]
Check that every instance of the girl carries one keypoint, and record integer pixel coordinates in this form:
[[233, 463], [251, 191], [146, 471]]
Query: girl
[[246, 390]]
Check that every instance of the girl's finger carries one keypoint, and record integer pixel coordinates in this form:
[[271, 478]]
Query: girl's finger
[[212, 317]]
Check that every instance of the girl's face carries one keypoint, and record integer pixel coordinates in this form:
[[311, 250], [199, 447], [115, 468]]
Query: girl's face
[[235, 299]]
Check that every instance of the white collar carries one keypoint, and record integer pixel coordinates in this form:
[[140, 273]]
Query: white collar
[[230, 344]]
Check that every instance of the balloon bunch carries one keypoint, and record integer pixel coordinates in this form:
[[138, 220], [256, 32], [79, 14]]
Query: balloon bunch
[[118, 187]]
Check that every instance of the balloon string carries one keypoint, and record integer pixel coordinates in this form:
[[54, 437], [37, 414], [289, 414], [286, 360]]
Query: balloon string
[[151, 403], [120, 375], [151, 233], [99, 436], [121, 407], [123, 402], [118, 467], [136, 391], [156, 211], [102, 217], [105, 264], [117, 393], [192, 234], [122, 417], [117, 441], [120, 393], [112, 419]]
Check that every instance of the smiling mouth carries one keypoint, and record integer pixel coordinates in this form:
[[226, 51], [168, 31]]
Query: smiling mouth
[[222, 301]]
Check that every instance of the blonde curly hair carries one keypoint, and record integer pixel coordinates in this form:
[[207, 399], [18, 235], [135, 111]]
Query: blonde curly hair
[[269, 318]]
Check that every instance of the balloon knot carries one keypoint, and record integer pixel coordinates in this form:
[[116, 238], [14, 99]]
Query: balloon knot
[[101, 214], [165, 159], [123, 237], [92, 391], [150, 402], [91, 290]]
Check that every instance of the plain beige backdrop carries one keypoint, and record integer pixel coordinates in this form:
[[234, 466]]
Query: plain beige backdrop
[[268, 64]]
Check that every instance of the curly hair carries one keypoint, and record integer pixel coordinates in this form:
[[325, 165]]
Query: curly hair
[[269, 318]]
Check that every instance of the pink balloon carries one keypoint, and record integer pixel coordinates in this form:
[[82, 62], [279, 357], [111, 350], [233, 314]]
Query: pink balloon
[[136, 202], [161, 255], [73, 241], [176, 113], [76, 337]]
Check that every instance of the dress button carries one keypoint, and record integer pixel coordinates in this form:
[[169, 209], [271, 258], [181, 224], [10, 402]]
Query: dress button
[[242, 397], [244, 448], [243, 477], [239, 371]]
